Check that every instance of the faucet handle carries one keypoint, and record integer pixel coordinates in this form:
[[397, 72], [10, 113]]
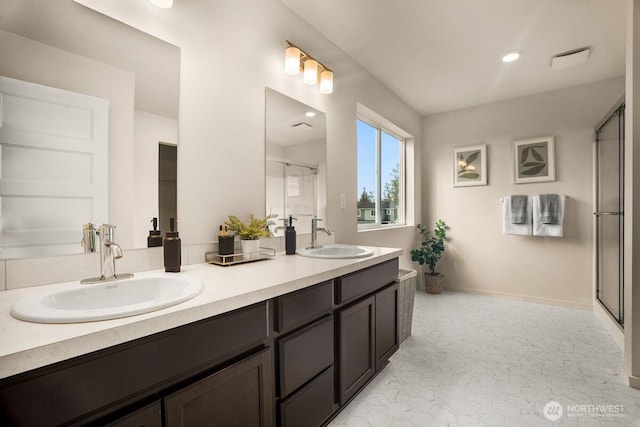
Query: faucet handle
[[106, 231]]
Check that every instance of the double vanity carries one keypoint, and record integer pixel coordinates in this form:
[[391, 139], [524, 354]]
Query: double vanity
[[288, 341]]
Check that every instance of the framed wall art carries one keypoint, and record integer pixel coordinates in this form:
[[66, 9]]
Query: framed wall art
[[470, 166], [534, 160]]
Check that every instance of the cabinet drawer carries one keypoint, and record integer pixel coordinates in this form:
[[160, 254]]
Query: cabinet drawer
[[365, 281], [311, 405], [303, 306], [304, 354]]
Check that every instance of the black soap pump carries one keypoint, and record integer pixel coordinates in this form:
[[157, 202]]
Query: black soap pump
[[290, 237], [155, 238], [172, 249]]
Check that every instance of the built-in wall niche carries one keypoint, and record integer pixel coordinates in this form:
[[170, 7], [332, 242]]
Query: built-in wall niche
[[70, 47], [296, 154]]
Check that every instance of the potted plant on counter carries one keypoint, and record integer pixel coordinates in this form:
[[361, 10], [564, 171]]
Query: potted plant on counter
[[251, 232], [430, 252]]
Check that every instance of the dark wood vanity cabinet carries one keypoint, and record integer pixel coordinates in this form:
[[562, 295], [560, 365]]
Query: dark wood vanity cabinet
[[323, 361], [111, 385], [305, 356], [294, 361], [368, 333], [368, 327]]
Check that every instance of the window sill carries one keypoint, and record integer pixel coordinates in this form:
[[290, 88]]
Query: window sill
[[383, 227]]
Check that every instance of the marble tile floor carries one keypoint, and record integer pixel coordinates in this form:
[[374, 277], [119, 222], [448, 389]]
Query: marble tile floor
[[483, 361]]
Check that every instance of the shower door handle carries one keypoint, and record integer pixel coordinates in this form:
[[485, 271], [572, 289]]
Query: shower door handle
[[608, 213]]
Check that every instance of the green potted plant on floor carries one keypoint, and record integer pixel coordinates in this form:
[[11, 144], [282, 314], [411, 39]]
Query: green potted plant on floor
[[250, 232], [430, 252]]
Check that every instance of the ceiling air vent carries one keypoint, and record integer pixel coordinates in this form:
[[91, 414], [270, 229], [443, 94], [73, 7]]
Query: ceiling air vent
[[301, 124], [570, 59]]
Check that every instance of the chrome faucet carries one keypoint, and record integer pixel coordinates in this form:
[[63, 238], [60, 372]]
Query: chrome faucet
[[314, 233], [110, 251]]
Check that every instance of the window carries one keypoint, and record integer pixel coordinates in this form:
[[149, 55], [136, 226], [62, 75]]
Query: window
[[381, 155]]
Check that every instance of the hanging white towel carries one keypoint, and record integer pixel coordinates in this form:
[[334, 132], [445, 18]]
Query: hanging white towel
[[552, 230], [523, 229]]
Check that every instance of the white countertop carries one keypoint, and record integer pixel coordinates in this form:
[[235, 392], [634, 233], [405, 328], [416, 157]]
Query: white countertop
[[25, 346]]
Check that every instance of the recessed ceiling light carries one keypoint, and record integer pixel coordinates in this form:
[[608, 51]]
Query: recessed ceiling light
[[310, 114], [511, 56], [163, 4]]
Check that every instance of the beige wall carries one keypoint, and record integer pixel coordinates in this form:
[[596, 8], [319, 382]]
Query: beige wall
[[231, 51], [479, 258]]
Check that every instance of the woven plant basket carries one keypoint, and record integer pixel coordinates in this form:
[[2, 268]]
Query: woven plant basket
[[433, 284]]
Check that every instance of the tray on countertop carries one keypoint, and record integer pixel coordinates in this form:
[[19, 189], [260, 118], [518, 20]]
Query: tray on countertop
[[239, 258]]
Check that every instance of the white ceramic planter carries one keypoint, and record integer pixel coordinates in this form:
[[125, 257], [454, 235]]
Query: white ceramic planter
[[250, 246]]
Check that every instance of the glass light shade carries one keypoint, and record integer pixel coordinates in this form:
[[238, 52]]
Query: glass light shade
[[163, 4], [326, 82], [292, 61], [310, 72]]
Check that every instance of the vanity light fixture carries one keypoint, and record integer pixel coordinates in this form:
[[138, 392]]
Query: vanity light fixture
[[296, 60], [326, 81], [511, 56], [162, 4], [310, 71], [292, 60]]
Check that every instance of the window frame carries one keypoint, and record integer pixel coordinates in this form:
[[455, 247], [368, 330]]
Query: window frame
[[380, 128]]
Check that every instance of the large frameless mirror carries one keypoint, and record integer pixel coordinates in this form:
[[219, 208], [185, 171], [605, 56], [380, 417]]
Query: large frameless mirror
[[96, 59], [295, 161]]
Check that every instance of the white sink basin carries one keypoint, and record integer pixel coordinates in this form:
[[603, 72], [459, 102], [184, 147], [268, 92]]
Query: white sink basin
[[110, 300], [336, 251]]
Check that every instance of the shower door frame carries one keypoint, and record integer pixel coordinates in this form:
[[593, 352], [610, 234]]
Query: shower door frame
[[616, 112]]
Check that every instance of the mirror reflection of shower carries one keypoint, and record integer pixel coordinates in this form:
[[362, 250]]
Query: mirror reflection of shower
[[292, 190], [296, 161]]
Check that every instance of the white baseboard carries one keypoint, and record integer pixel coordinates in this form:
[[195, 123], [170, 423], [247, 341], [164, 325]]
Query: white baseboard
[[634, 382], [609, 323], [549, 301]]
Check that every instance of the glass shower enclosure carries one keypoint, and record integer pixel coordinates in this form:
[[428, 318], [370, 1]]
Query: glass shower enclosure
[[609, 214], [292, 190]]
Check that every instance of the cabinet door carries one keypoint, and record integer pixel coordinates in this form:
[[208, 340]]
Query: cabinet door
[[240, 395], [357, 328], [386, 325]]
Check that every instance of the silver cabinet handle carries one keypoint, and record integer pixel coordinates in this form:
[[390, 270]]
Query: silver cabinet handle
[[608, 213]]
